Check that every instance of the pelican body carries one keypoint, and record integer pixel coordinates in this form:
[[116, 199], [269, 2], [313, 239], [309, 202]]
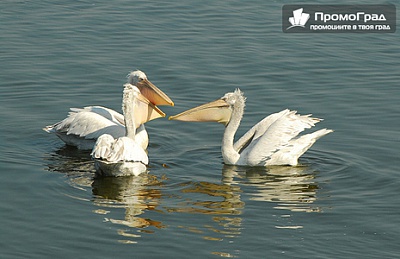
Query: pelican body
[[83, 126], [272, 141], [124, 156]]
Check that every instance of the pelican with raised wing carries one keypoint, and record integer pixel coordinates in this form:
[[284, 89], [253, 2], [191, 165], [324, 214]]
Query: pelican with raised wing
[[272, 141], [124, 156], [83, 126]]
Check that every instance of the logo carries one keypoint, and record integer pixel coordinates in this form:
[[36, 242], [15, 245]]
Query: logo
[[299, 18], [338, 18]]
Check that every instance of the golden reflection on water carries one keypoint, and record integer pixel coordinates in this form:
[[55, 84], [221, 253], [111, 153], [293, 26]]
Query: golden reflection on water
[[293, 189], [228, 203], [222, 202], [133, 193], [290, 188], [136, 195]]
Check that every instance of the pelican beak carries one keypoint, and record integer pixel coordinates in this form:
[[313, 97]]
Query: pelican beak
[[146, 111], [153, 93], [216, 111]]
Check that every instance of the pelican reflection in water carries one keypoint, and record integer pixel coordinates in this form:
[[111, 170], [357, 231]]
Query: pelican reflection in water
[[291, 188], [147, 201], [135, 194]]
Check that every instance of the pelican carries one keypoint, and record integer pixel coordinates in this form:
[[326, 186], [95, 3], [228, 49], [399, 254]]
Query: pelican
[[124, 156], [83, 126], [272, 141]]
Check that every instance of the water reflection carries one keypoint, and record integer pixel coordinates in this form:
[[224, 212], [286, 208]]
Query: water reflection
[[221, 201], [69, 160], [292, 188], [74, 163], [135, 195], [219, 205]]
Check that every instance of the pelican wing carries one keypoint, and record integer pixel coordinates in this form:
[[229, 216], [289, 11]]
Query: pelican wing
[[276, 137], [90, 124], [102, 148], [257, 131], [82, 121], [296, 147], [127, 150], [103, 111]]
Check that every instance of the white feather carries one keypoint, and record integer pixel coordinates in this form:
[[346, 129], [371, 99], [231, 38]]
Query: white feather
[[83, 126], [275, 137], [272, 141], [103, 146], [123, 155]]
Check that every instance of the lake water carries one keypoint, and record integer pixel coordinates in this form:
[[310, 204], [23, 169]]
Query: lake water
[[342, 202]]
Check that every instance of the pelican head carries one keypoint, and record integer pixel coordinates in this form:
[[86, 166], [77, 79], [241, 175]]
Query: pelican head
[[148, 89], [219, 110], [235, 97]]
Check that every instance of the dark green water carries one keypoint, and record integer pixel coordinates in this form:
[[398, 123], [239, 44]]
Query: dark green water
[[342, 203]]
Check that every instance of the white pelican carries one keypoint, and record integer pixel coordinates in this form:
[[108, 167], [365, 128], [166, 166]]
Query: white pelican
[[83, 126], [124, 156], [272, 141]]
